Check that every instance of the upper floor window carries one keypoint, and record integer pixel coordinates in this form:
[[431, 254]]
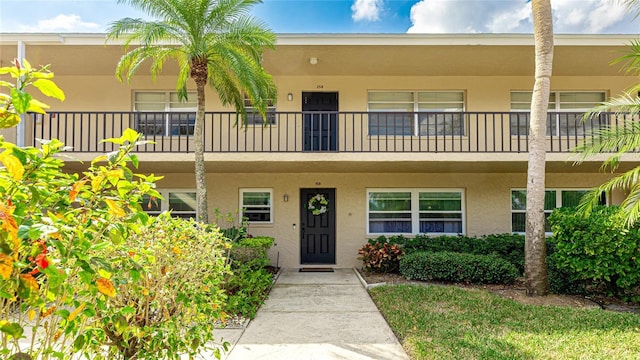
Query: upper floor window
[[162, 113], [181, 203], [424, 113], [413, 211], [254, 118], [566, 109], [256, 205]]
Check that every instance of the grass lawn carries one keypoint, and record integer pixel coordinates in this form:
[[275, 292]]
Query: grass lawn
[[435, 322]]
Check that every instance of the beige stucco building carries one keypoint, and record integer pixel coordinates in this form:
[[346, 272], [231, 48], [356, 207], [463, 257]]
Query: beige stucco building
[[401, 134]]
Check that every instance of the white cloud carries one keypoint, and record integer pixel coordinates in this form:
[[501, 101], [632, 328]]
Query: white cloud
[[62, 23], [514, 16], [368, 10]]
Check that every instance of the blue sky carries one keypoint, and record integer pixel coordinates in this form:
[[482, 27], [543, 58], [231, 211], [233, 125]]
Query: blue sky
[[344, 16]]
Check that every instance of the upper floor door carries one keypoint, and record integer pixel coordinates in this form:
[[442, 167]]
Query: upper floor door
[[320, 121]]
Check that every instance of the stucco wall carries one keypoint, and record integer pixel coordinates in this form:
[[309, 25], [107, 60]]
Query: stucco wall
[[487, 201]]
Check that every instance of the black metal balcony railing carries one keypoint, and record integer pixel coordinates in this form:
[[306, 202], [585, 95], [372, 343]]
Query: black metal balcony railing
[[463, 132]]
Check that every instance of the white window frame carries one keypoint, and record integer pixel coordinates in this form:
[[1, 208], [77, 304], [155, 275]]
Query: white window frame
[[164, 203], [168, 128], [261, 190], [415, 209], [416, 104], [559, 204], [555, 106]]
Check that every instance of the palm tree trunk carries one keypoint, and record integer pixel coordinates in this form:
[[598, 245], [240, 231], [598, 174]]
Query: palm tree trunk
[[202, 209], [536, 276]]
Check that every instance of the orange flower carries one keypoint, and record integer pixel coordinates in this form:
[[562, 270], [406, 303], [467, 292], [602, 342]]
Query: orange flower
[[75, 189], [30, 282], [6, 266], [10, 225], [106, 287]]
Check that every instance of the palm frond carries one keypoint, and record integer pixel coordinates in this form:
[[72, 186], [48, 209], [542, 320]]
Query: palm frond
[[631, 58], [631, 205], [632, 5]]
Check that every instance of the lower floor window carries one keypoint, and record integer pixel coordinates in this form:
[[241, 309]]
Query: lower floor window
[[181, 203], [256, 205], [553, 198], [415, 211]]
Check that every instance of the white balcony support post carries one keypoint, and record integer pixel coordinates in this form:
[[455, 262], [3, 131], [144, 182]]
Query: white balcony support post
[[20, 130]]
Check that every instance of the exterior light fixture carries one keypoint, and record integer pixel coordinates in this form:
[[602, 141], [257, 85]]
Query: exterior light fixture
[[313, 60], [286, 198], [290, 96]]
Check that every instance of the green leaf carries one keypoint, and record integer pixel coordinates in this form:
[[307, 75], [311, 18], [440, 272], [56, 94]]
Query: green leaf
[[78, 343], [12, 329], [100, 246], [49, 88], [135, 275], [130, 135], [63, 313], [128, 310], [20, 100], [134, 160], [38, 106]]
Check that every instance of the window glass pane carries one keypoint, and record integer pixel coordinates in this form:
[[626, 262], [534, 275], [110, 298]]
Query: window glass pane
[[182, 201], [441, 96], [518, 222], [157, 97], [518, 200], [550, 200], [441, 124], [256, 206], [572, 197], [390, 124], [182, 123], [434, 201], [150, 123], [391, 96], [151, 206], [582, 97], [256, 198], [391, 107], [390, 201]]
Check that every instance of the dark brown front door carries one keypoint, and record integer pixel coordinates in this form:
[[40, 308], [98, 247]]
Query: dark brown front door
[[317, 232]]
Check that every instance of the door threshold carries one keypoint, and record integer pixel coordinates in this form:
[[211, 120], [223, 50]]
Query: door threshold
[[315, 269]]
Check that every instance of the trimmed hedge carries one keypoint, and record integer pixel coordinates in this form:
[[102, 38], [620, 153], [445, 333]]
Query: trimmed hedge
[[458, 267], [599, 249], [507, 246]]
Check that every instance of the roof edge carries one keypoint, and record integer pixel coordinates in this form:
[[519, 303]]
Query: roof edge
[[352, 39]]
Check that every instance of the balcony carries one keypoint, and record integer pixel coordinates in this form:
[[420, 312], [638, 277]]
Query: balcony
[[335, 132]]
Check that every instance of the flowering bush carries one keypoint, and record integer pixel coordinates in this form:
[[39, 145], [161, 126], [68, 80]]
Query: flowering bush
[[168, 292], [55, 228], [380, 256]]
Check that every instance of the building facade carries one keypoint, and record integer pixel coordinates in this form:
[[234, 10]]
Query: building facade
[[379, 134]]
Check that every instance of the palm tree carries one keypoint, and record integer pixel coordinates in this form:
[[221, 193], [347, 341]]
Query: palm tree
[[536, 277], [213, 41], [617, 141]]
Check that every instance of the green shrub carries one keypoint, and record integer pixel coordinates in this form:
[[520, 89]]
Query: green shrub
[[458, 267], [246, 289], [249, 283], [508, 246], [381, 257], [599, 248]]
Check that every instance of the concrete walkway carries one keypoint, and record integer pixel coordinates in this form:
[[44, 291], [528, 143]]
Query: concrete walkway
[[316, 316]]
